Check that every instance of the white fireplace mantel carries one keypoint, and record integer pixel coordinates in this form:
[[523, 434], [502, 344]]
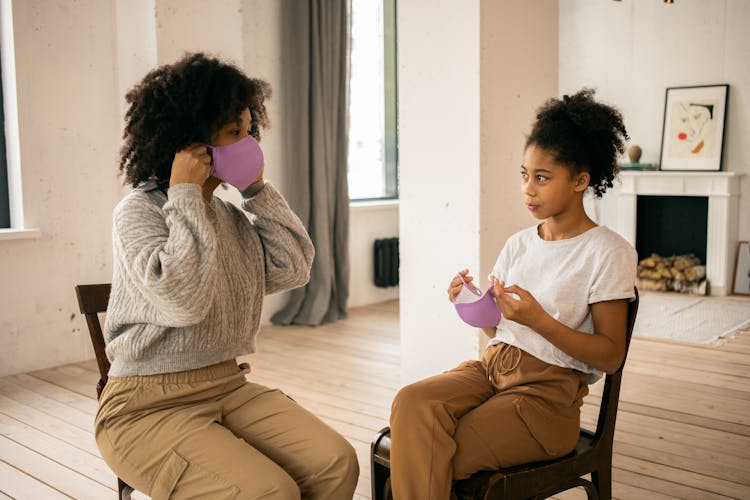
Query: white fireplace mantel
[[722, 190]]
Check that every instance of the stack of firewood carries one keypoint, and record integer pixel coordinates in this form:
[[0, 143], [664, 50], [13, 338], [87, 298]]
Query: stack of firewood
[[679, 273]]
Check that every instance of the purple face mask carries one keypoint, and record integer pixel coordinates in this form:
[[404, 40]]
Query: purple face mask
[[480, 313], [237, 164]]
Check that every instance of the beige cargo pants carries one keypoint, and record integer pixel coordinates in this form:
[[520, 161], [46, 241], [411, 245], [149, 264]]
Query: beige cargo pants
[[506, 409], [208, 433]]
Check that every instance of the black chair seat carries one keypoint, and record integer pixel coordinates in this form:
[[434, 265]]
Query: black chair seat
[[512, 482], [517, 482]]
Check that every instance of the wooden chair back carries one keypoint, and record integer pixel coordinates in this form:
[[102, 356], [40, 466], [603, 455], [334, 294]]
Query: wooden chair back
[[605, 425], [93, 300]]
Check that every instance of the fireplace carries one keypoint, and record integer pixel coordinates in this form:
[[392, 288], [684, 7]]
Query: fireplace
[[719, 192]]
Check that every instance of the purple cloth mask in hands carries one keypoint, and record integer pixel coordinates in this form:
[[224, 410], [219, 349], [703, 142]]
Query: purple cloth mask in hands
[[480, 313], [238, 164]]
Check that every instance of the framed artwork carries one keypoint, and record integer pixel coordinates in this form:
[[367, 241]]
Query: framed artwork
[[741, 283], [693, 130]]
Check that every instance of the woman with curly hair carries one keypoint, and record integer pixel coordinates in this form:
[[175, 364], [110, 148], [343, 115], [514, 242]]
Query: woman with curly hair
[[562, 287], [177, 418]]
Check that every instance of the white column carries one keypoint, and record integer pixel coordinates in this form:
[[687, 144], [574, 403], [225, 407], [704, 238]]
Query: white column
[[136, 43], [627, 206], [438, 96], [721, 242]]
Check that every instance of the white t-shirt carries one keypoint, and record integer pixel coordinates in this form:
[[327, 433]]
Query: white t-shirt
[[565, 277]]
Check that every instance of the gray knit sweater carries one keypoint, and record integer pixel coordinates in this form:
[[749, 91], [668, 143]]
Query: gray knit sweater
[[190, 277]]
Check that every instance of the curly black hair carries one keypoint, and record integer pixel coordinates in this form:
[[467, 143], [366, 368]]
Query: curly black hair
[[179, 104], [582, 134]]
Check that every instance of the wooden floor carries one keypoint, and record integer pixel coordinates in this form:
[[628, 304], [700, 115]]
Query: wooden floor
[[683, 430]]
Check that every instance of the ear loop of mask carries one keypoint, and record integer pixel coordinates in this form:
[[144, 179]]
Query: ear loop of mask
[[476, 291], [210, 151]]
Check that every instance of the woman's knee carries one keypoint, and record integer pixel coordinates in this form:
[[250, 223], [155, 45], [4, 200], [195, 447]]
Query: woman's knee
[[284, 487], [342, 462], [347, 463], [332, 472], [278, 486]]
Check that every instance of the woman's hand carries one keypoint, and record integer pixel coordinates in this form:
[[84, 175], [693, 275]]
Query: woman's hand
[[455, 286], [259, 179], [524, 310], [192, 165]]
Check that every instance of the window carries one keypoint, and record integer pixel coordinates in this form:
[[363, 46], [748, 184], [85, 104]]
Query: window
[[373, 144], [4, 202]]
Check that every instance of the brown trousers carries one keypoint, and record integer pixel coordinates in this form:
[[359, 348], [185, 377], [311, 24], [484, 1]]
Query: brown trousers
[[506, 409], [208, 433]]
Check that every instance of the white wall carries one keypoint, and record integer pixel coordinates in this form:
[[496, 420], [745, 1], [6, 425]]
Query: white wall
[[68, 116], [369, 221], [631, 51]]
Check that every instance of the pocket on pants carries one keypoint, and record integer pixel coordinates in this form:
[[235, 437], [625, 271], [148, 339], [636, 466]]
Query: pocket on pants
[[556, 431], [166, 478], [202, 483]]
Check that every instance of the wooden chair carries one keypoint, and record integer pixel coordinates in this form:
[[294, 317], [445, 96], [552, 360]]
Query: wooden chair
[[593, 455], [92, 300]]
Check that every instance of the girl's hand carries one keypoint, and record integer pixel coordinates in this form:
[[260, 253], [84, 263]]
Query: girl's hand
[[456, 284], [524, 310], [192, 165]]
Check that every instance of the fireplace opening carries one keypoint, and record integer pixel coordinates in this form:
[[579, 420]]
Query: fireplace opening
[[671, 225], [671, 236]]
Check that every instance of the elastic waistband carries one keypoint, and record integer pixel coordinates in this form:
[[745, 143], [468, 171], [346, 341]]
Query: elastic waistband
[[205, 373]]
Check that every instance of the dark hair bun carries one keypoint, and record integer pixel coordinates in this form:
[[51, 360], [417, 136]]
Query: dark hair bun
[[583, 135]]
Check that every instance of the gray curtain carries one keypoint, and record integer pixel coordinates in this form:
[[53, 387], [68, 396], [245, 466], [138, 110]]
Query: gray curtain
[[315, 51]]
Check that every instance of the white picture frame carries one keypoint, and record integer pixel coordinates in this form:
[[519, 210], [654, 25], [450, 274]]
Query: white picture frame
[[693, 128], [741, 282]]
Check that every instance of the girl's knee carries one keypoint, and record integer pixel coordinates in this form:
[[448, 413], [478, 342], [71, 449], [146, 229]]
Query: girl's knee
[[409, 398], [412, 406]]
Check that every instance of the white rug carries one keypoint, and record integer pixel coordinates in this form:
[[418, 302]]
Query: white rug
[[690, 318]]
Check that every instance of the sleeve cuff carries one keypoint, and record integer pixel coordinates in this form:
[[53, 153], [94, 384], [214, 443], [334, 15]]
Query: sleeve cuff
[[184, 190]]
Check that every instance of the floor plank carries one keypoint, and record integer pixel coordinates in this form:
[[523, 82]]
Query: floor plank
[[15, 483], [52, 473], [87, 464], [683, 429]]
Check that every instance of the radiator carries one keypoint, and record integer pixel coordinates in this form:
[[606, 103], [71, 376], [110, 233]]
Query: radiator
[[386, 262]]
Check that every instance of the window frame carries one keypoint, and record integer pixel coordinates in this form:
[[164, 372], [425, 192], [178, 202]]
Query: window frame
[[5, 222], [390, 75]]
